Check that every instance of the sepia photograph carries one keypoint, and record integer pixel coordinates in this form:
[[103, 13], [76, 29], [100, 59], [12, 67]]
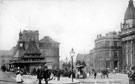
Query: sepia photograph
[[67, 41]]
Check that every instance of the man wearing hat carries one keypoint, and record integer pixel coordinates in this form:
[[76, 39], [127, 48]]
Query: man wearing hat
[[132, 76], [40, 74], [46, 75]]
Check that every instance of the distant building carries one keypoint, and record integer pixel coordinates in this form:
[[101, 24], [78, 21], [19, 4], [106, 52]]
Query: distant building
[[117, 50], [50, 49], [5, 56], [81, 57], [91, 59], [30, 52], [108, 51]]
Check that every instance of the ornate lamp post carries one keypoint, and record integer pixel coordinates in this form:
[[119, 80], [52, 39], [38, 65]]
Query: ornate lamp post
[[72, 53]]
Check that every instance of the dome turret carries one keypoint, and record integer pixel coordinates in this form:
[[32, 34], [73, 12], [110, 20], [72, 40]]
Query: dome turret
[[130, 12]]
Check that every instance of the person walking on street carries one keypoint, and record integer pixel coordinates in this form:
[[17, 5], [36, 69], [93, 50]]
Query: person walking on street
[[46, 75], [95, 73], [58, 74], [39, 74], [18, 76], [3, 68], [132, 76]]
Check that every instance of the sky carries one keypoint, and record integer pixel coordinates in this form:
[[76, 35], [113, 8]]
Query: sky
[[73, 23]]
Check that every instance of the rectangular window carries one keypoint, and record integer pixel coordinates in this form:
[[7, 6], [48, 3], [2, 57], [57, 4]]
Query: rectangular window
[[115, 43], [115, 54], [107, 43], [40, 44]]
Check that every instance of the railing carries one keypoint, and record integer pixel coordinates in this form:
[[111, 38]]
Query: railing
[[126, 31]]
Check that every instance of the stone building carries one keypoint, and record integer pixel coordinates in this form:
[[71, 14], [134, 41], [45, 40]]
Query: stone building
[[30, 51], [30, 59], [107, 52], [116, 50], [91, 58], [128, 37], [50, 49], [5, 56]]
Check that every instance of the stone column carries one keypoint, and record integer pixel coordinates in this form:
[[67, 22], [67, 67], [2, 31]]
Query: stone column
[[126, 53], [131, 52]]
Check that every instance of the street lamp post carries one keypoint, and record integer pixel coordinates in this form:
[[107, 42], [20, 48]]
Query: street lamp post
[[72, 53]]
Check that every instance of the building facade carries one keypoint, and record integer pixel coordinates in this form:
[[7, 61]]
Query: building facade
[[128, 37], [31, 51], [108, 51], [6, 56], [50, 49], [116, 50]]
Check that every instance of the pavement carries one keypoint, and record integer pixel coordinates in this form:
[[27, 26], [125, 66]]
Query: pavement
[[29, 79], [113, 79], [9, 78], [5, 78]]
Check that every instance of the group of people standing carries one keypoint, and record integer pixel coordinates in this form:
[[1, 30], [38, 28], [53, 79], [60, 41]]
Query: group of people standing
[[3, 68], [104, 73], [43, 73]]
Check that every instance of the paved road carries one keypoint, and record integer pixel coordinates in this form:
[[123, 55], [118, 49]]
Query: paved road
[[113, 79], [5, 78], [9, 78]]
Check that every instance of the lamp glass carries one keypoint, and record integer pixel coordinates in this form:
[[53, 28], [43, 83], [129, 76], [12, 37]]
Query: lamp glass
[[72, 53]]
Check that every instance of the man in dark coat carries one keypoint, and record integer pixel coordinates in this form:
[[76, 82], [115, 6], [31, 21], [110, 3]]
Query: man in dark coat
[[39, 74], [46, 75], [58, 74], [132, 76], [105, 73], [3, 68]]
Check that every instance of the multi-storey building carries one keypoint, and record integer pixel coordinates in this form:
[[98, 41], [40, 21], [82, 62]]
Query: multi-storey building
[[128, 37], [50, 49], [117, 50], [108, 51], [30, 51]]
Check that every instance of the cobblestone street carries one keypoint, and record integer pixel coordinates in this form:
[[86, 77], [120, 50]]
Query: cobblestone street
[[113, 79], [5, 78], [9, 78]]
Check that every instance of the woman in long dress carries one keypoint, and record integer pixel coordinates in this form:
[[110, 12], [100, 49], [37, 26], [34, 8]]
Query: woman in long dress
[[18, 76]]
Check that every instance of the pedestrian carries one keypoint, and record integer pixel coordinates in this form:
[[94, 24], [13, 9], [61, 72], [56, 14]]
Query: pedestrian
[[46, 74], [52, 76], [114, 71], [3, 68], [19, 78], [132, 76], [39, 74], [129, 73], [58, 74], [95, 74], [105, 72]]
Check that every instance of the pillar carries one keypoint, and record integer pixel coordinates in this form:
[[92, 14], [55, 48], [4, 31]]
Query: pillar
[[127, 54], [131, 52]]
